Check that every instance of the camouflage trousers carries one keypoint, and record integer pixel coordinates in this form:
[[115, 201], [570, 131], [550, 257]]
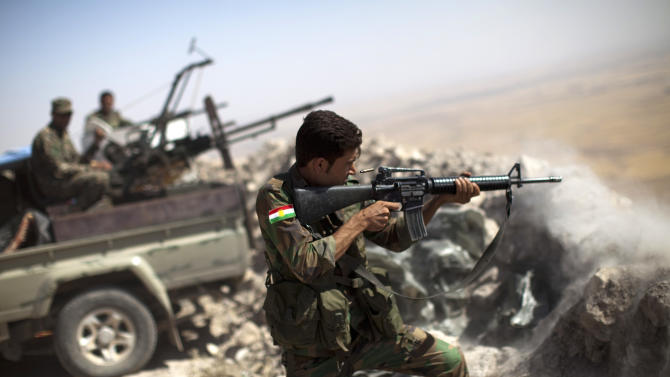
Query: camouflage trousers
[[413, 352], [86, 188]]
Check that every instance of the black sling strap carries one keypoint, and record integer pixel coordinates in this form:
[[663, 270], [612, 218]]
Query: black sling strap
[[476, 271]]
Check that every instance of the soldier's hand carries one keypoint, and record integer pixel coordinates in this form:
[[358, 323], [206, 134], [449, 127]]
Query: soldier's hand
[[465, 190], [99, 135], [101, 165], [376, 216]]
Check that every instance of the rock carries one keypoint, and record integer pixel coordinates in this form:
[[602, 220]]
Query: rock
[[465, 227], [486, 289], [610, 331], [213, 349], [248, 334], [608, 294], [490, 361], [241, 354], [442, 260], [484, 294], [656, 304]]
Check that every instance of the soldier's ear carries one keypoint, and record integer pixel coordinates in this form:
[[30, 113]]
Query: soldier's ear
[[321, 165]]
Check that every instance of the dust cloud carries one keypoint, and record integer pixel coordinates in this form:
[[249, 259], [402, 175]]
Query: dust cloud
[[596, 224]]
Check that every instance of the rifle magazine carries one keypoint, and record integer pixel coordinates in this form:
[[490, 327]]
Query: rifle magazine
[[415, 225]]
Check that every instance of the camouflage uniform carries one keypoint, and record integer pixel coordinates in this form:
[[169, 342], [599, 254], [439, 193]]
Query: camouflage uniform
[[306, 255], [61, 173], [114, 119]]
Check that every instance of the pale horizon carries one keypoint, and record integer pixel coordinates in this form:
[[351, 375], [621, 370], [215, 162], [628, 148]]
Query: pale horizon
[[270, 57]]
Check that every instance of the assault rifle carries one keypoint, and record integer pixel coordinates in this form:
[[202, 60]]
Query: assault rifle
[[311, 204]]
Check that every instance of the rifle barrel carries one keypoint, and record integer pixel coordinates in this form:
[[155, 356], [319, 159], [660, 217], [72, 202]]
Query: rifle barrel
[[552, 179], [447, 185]]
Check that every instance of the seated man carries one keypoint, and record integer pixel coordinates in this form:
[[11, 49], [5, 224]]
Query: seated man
[[100, 123], [59, 171], [107, 113]]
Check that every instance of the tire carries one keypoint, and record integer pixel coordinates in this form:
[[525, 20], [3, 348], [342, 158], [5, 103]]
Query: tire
[[104, 333]]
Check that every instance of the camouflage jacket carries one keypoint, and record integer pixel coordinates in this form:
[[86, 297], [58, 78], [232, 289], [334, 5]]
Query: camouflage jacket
[[298, 254], [54, 157], [114, 119], [305, 254]]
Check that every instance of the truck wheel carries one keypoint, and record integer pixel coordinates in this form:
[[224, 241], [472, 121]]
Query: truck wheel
[[103, 333]]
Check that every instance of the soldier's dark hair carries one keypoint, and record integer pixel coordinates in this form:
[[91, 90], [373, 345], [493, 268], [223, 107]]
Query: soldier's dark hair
[[106, 93], [325, 134]]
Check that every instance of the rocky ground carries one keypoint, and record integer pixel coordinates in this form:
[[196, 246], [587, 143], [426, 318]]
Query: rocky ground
[[579, 286]]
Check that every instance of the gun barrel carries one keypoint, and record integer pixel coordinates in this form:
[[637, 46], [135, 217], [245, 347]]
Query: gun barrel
[[274, 118], [552, 179], [447, 185]]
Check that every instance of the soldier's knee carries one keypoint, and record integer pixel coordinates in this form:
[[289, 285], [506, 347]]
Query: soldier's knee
[[453, 359], [101, 178], [96, 180]]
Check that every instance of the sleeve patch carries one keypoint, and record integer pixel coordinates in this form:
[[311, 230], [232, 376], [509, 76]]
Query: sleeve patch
[[281, 213]]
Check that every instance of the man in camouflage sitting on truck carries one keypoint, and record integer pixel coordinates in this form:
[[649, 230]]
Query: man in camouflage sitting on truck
[[107, 113], [99, 123], [327, 320], [59, 171]]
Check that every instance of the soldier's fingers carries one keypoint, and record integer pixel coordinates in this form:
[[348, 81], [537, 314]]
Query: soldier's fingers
[[391, 205], [466, 191], [465, 186], [380, 208], [466, 174], [459, 185], [476, 187], [471, 189]]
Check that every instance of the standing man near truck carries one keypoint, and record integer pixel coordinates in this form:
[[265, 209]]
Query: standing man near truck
[[327, 319], [59, 171]]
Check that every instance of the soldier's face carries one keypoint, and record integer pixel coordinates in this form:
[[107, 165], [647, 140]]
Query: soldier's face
[[337, 172], [107, 103], [61, 120]]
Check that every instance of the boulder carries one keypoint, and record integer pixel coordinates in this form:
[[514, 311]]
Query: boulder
[[609, 294], [656, 304]]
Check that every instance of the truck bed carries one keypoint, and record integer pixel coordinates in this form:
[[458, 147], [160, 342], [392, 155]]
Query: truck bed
[[183, 240], [197, 204]]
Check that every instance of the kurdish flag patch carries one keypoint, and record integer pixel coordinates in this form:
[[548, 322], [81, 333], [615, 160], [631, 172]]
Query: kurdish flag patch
[[281, 213]]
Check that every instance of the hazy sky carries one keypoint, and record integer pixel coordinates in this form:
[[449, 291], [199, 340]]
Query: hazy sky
[[270, 56]]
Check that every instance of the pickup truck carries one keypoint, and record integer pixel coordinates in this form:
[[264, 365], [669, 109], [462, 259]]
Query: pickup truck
[[100, 293]]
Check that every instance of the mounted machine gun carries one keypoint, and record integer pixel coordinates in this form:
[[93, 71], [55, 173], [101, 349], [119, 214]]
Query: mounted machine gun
[[155, 154]]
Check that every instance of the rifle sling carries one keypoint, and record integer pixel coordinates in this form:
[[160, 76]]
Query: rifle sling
[[476, 271]]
